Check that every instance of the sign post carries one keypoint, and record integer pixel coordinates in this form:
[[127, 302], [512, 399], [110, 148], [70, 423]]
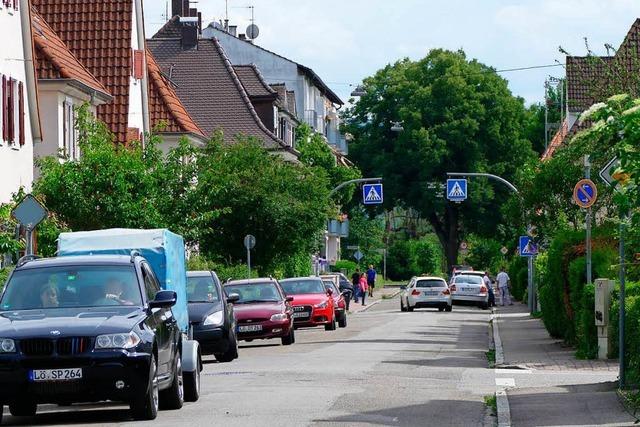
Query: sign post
[[585, 194], [249, 243], [528, 248], [29, 213]]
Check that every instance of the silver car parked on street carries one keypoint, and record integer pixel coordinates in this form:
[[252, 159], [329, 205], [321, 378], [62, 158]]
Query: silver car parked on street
[[469, 288]]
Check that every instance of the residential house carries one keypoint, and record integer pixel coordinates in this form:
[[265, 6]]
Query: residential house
[[316, 103], [19, 116], [592, 79], [107, 38], [210, 88]]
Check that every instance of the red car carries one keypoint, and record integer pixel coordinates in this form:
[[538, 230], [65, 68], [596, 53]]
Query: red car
[[262, 310], [313, 305], [338, 299]]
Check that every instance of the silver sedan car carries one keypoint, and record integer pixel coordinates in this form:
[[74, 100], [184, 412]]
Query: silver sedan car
[[469, 288], [426, 292]]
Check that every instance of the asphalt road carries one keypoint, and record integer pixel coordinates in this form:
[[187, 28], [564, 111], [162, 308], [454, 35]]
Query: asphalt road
[[386, 368]]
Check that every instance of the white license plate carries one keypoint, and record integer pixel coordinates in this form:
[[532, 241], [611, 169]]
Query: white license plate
[[431, 293], [472, 290], [301, 314], [250, 328], [67, 374]]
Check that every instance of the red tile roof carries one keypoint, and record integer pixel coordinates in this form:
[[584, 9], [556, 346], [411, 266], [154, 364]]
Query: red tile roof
[[98, 33], [164, 104], [54, 60], [209, 88]]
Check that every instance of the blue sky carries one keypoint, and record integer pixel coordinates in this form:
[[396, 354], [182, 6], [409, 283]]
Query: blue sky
[[347, 40]]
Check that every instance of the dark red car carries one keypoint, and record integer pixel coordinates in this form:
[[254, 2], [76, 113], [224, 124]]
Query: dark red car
[[262, 310], [312, 304]]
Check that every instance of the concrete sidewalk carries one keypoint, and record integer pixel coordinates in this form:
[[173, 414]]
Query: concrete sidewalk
[[378, 295], [544, 382]]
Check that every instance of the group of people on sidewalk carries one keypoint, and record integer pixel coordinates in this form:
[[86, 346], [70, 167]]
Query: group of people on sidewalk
[[363, 284], [504, 283]]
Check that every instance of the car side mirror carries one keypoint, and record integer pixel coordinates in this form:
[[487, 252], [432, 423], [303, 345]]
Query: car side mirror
[[403, 287], [233, 298], [164, 299], [289, 299], [329, 292]]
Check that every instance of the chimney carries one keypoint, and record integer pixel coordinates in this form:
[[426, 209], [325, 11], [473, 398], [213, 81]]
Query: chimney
[[179, 7], [233, 30], [242, 36], [189, 32]]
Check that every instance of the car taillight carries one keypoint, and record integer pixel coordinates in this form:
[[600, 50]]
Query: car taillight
[[415, 292], [483, 289], [452, 288], [446, 292]]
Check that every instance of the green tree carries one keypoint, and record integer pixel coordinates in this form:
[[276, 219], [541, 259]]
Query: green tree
[[457, 114]]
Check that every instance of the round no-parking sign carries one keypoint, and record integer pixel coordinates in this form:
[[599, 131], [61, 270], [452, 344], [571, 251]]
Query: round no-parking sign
[[585, 193]]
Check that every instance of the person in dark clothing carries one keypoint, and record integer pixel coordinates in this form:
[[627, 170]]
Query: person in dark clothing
[[347, 291], [355, 281], [371, 279]]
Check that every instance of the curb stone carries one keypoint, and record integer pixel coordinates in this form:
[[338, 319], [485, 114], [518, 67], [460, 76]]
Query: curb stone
[[502, 400]]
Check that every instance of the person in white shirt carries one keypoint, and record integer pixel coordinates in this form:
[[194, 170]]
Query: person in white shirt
[[503, 285], [487, 283]]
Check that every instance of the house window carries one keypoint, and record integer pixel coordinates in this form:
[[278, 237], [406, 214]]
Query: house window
[[70, 147], [282, 129], [9, 104]]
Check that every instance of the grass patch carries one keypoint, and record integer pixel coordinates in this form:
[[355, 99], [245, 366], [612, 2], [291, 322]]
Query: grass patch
[[492, 403], [386, 296], [631, 401], [491, 356], [537, 314]]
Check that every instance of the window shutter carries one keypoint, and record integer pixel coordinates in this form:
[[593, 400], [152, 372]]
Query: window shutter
[[5, 135], [21, 114], [15, 4], [10, 112], [138, 64]]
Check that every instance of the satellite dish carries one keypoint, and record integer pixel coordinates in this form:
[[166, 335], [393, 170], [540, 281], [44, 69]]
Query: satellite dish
[[253, 31]]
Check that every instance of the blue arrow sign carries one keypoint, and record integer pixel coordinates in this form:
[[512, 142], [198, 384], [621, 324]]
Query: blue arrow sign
[[527, 246], [372, 194], [457, 190]]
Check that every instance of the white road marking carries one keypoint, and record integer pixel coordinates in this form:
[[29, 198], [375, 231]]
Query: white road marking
[[506, 382]]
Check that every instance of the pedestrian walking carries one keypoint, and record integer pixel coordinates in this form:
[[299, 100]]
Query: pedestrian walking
[[355, 281], [487, 282], [347, 291], [504, 282], [364, 286], [371, 279]]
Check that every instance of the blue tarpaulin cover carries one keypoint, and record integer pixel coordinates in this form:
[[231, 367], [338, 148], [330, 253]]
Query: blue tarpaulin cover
[[163, 249]]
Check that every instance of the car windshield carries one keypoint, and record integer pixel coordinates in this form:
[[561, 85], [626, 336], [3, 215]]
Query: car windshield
[[72, 286], [303, 286], [202, 289], [430, 284], [328, 284], [472, 280], [254, 292]]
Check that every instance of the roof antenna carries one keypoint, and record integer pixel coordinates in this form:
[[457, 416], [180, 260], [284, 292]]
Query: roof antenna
[[226, 15]]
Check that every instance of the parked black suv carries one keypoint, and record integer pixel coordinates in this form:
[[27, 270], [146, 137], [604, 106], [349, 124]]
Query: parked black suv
[[87, 329], [211, 315]]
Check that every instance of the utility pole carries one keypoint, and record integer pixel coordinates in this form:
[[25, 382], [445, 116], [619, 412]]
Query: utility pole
[[621, 334], [587, 174]]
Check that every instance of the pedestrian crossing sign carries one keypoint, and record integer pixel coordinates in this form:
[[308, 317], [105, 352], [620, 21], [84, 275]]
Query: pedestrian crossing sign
[[457, 190], [528, 247], [372, 194]]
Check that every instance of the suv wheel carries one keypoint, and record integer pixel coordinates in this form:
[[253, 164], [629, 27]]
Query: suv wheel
[[232, 351], [173, 397], [145, 407], [25, 408], [192, 384]]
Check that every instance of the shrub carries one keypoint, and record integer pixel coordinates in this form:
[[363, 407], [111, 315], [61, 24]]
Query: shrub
[[346, 265], [4, 275], [518, 272]]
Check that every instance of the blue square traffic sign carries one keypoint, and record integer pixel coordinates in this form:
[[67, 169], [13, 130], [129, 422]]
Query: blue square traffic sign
[[457, 190], [372, 194], [527, 246]]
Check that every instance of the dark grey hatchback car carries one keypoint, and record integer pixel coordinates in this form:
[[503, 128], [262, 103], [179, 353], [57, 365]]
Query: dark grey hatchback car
[[211, 315]]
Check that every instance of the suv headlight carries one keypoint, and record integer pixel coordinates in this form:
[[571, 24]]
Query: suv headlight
[[125, 341], [279, 317], [322, 305], [7, 345], [214, 319]]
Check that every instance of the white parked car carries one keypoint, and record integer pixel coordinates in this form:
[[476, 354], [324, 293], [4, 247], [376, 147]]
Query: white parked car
[[469, 288], [426, 292]]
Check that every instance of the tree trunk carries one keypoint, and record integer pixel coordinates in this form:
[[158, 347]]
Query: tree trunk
[[448, 234]]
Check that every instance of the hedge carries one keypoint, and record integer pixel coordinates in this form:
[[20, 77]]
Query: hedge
[[632, 330], [567, 302]]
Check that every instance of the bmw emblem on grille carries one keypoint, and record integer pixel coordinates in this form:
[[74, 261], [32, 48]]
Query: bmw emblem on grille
[[55, 332]]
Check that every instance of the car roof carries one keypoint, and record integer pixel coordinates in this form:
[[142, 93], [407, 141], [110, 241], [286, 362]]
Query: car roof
[[290, 279], [200, 273], [470, 272], [251, 281], [429, 278], [75, 260]]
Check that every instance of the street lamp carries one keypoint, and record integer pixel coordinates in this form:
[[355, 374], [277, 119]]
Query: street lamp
[[397, 127]]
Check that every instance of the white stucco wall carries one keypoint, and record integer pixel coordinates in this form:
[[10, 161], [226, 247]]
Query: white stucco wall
[[16, 163], [135, 118]]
